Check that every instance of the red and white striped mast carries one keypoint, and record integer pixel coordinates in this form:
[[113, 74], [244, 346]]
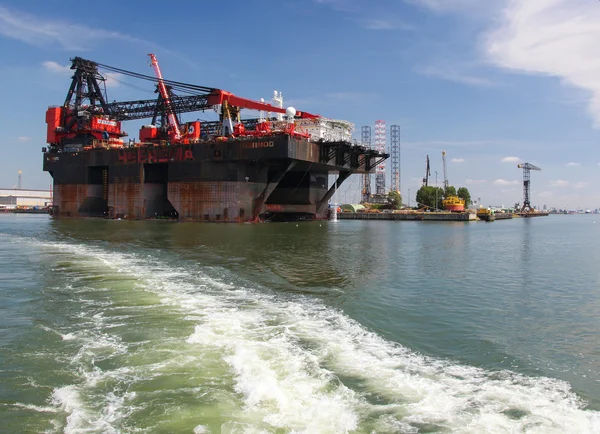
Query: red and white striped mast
[[380, 146]]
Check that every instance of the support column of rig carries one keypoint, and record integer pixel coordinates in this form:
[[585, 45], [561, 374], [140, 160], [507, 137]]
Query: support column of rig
[[365, 138], [380, 146], [395, 153]]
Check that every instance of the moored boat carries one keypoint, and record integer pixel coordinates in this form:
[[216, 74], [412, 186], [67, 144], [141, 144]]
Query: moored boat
[[485, 214]]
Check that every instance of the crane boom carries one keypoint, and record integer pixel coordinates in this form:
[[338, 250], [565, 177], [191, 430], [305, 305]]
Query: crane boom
[[527, 166], [173, 122], [221, 96], [143, 109], [427, 173]]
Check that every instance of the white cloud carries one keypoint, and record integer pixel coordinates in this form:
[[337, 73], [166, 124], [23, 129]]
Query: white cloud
[[365, 16], [456, 74], [458, 160], [504, 182], [60, 34], [38, 31], [23, 138], [580, 184], [354, 97], [572, 164], [113, 79], [475, 181], [510, 160], [384, 24], [557, 38], [545, 193], [378, 25], [453, 5], [56, 67], [559, 183], [447, 144], [418, 182], [338, 5], [333, 98]]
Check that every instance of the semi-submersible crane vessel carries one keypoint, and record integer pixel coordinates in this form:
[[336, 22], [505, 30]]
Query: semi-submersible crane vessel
[[229, 170]]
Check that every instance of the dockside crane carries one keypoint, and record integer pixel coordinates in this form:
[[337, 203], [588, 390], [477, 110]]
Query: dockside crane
[[427, 173], [527, 168]]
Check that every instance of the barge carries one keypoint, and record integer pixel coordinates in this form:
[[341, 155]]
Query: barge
[[230, 170]]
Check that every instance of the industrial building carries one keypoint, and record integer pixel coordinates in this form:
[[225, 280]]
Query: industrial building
[[15, 197]]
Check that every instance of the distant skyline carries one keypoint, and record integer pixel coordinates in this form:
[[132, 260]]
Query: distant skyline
[[492, 83]]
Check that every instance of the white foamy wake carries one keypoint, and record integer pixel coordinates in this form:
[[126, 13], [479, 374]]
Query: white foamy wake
[[301, 366]]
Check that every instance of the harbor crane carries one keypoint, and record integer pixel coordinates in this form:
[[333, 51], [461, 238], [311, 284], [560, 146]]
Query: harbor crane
[[527, 168], [427, 173]]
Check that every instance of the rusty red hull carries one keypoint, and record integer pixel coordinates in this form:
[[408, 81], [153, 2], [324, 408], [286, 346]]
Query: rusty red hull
[[221, 181], [454, 208]]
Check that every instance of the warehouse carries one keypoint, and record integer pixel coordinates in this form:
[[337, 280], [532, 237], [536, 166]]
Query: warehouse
[[14, 197]]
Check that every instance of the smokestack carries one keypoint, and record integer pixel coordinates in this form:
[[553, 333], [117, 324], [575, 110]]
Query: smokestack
[[19, 184]]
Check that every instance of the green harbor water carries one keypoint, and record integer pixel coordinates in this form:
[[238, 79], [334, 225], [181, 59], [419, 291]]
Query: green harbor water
[[315, 327]]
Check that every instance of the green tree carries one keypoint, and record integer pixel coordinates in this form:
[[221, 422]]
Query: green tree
[[427, 196], [395, 199], [450, 191], [463, 193]]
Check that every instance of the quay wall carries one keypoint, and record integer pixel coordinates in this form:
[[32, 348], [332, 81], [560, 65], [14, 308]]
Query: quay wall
[[417, 216]]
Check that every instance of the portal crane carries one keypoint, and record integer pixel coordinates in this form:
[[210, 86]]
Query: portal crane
[[427, 173], [527, 167]]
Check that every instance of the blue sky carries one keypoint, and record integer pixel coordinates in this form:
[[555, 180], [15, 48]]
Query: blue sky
[[491, 82]]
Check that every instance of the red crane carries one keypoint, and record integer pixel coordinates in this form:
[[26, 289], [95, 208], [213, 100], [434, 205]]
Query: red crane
[[230, 107], [86, 118], [173, 122]]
